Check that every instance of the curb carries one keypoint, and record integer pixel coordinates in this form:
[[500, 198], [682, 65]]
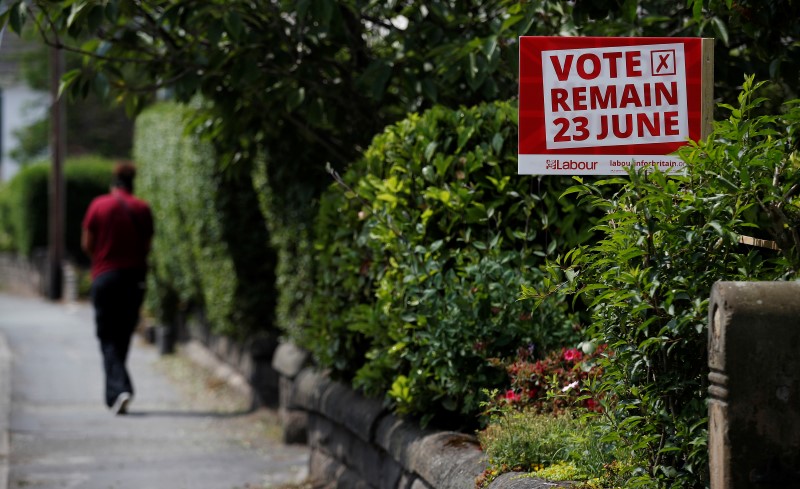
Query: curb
[[5, 409], [197, 353]]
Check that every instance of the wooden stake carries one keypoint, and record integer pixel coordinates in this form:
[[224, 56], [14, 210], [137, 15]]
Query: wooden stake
[[761, 243], [707, 80]]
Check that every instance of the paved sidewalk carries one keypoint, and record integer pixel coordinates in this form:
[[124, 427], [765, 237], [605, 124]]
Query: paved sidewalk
[[55, 431]]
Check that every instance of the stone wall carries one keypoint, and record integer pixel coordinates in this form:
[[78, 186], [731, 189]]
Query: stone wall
[[27, 276], [356, 443], [21, 275], [246, 365]]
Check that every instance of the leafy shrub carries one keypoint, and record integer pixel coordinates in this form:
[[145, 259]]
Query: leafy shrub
[[664, 241], [421, 250], [27, 203], [32, 141], [163, 154], [6, 229], [211, 247], [289, 208]]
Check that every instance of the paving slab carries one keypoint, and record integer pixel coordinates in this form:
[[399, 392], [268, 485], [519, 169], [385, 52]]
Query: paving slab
[[178, 434]]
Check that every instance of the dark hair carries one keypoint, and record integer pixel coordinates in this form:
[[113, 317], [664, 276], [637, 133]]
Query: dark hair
[[124, 173]]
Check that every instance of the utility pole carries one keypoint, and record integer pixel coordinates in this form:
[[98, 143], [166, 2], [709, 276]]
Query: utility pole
[[2, 142], [58, 149]]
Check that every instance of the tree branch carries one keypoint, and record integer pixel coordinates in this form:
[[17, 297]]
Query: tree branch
[[316, 137]]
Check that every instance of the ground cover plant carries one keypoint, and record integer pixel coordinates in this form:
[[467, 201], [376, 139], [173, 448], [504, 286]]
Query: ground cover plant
[[536, 424], [663, 242]]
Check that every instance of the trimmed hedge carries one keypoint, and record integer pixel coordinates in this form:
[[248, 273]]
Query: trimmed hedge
[[6, 230], [24, 201], [86, 178], [290, 208], [28, 202], [211, 247], [421, 254]]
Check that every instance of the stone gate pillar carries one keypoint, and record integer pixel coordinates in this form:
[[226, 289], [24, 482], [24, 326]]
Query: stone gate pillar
[[754, 394]]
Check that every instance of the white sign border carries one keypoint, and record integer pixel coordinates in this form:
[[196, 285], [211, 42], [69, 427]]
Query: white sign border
[[647, 78]]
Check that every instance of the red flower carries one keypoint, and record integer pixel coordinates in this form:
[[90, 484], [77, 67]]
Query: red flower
[[573, 355], [593, 405], [512, 396]]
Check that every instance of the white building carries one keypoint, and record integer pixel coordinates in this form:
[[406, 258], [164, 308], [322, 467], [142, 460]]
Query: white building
[[19, 105]]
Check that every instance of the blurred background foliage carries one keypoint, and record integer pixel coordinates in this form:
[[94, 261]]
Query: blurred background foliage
[[299, 85], [396, 276], [24, 198]]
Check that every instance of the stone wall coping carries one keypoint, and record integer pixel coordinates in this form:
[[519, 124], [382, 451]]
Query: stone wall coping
[[395, 436], [447, 460], [353, 411], [289, 360], [435, 459], [310, 385]]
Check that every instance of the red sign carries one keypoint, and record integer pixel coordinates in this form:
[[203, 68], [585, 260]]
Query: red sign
[[591, 105]]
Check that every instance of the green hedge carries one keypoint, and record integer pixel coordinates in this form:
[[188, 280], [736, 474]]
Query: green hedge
[[211, 247], [422, 251], [6, 228], [290, 208], [25, 199], [86, 178], [28, 201]]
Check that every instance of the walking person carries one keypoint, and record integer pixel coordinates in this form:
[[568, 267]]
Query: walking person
[[117, 232]]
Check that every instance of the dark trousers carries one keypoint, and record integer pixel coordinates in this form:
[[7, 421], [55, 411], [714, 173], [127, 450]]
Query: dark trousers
[[117, 297]]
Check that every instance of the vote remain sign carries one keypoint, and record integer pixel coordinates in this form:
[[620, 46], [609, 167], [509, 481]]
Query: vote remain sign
[[590, 105]]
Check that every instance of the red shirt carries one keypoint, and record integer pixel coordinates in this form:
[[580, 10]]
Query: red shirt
[[121, 227]]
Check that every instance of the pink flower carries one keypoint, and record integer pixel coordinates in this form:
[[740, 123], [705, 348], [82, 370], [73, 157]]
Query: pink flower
[[573, 355], [512, 396]]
